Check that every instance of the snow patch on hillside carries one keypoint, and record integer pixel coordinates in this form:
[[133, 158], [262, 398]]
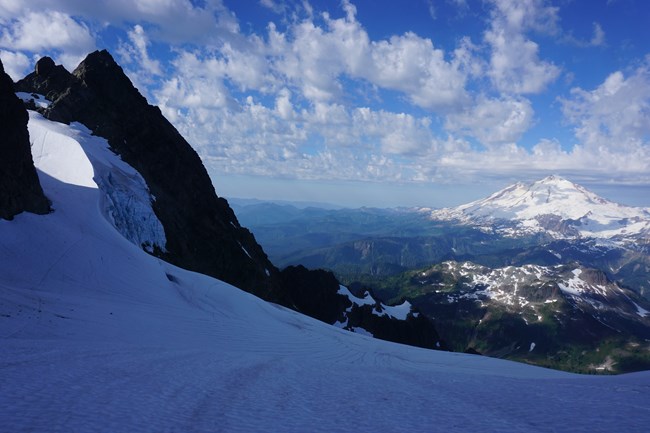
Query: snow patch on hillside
[[399, 312], [39, 100]]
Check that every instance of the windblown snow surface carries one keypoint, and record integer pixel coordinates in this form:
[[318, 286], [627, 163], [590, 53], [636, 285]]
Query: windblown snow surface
[[98, 336]]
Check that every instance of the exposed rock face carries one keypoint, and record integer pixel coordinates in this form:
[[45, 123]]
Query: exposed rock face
[[316, 293], [20, 189], [202, 231]]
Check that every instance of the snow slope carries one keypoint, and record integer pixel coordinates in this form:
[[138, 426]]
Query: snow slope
[[96, 335]]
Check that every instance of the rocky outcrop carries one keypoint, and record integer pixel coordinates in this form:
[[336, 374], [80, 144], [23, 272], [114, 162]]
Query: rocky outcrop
[[314, 293], [317, 294], [202, 231], [20, 189]]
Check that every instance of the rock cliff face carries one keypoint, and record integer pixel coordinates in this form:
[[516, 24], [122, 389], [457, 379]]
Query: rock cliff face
[[20, 189], [202, 231]]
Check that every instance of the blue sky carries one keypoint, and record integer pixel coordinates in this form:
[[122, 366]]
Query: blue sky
[[380, 103]]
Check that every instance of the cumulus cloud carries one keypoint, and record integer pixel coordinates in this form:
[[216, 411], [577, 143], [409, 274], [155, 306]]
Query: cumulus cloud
[[276, 7], [412, 65], [597, 38], [136, 51], [321, 140], [172, 21], [134, 56], [285, 101], [16, 65], [494, 121], [49, 30], [615, 116], [515, 66], [196, 84], [306, 131], [316, 59]]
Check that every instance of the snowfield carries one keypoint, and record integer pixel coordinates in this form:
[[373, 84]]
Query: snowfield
[[98, 336]]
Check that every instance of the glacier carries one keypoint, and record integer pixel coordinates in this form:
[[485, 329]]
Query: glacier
[[126, 200], [97, 335], [552, 201]]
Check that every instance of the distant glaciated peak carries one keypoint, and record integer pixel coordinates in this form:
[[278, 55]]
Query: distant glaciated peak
[[554, 205]]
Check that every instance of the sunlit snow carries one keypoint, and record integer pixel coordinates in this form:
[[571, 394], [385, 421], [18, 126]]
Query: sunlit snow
[[552, 197]]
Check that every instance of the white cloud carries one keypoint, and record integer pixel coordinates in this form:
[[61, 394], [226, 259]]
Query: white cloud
[[597, 38], [49, 30], [138, 64], [16, 65], [247, 68], [432, 9], [493, 121], [276, 7], [614, 118], [522, 15], [322, 140], [172, 21], [316, 59], [137, 52], [287, 103], [515, 66], [196, 84], [412, 65]]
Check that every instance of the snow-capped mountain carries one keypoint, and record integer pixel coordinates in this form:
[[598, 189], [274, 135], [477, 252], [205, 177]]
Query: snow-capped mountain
[[529, 286], [509, 311], [555, 206]]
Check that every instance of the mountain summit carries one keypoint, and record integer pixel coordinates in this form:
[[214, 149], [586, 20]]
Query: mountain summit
[[201, 230], [551, 195], [553, 205]]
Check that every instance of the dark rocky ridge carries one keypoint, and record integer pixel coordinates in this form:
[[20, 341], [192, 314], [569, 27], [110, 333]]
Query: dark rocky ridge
[[20, 189], [315, 293], [202, 231]]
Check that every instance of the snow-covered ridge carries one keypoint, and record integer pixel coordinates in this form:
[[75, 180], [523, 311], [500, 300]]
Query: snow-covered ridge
[[512, 285], [553, 205], [399, 312], [71, 154]]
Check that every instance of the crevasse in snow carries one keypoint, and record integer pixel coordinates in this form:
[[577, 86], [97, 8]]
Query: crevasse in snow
[[126, 200]]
